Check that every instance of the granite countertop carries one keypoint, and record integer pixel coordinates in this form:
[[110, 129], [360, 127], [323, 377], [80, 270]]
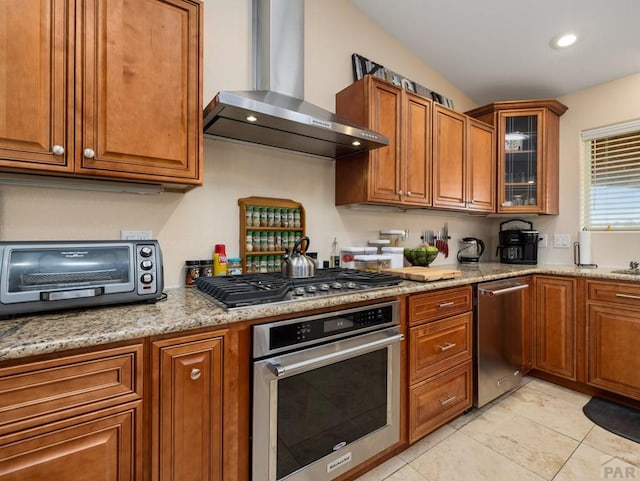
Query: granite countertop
[[186, 309]]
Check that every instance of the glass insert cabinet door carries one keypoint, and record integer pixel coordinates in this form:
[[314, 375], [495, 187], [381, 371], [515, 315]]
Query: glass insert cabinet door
[[520, 147]]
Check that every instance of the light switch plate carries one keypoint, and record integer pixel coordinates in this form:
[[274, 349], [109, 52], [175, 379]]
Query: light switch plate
[[561, 241], [135, 234]]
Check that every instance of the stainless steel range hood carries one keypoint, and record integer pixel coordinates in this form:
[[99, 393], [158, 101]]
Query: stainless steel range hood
[[274, 114]]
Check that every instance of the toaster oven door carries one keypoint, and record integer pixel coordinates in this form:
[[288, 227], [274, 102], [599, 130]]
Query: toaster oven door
[[57, 272]]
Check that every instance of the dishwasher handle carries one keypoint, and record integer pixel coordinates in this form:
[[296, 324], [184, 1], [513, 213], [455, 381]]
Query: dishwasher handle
[[499, 292]]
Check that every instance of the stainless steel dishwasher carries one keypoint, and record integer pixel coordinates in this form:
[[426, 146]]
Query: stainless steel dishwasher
[[501, 310]]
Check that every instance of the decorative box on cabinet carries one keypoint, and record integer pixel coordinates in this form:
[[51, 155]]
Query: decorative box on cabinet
[[73, 418], [528, 138], [103, 99], [440, 358], [400, 173]]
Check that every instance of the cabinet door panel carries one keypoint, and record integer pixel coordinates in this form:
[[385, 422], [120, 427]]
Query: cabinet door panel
[[34, 91], [556, 326], [139, 99], [613, 363], [481, 167], [103, 448], [189, 413], [448, 158], [384, 179], [417, 152]]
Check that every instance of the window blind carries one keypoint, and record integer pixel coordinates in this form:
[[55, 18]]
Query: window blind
[[611, 188]]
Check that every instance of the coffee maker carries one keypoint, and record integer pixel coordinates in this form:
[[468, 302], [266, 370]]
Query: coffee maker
[[518, 246]]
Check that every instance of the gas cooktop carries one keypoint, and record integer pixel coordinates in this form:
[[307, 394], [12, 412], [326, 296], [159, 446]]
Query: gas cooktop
[[234, 292]]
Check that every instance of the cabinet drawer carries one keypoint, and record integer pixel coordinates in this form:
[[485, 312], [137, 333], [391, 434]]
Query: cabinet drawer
[[438, 345], [40, 391], [438, 400], [439, 304], [618, 292]]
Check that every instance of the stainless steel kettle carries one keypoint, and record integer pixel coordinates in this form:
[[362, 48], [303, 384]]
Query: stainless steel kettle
[[296, 264], [471, 250]]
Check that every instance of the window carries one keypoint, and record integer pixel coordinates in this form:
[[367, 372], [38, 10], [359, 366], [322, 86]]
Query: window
[[611, 186]]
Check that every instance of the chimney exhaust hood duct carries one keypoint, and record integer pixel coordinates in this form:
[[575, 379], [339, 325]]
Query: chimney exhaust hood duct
[[275, 114]]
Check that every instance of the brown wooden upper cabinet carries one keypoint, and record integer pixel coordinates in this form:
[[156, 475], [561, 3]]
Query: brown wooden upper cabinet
[[104, 92], [399, 173], [528, 136]]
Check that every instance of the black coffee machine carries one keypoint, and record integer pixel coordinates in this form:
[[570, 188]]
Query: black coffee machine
[[518, 246]]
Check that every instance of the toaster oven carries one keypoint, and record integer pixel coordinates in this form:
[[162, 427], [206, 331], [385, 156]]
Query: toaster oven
[[54, 275]]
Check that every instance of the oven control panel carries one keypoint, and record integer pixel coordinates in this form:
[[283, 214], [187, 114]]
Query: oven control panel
[[284, 335]]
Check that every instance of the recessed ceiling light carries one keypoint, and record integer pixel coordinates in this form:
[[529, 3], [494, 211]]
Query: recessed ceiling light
[[564, 40], [252, 118], [355, 143]]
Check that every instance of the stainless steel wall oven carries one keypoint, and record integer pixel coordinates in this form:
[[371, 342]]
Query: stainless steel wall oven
[[326, 392]]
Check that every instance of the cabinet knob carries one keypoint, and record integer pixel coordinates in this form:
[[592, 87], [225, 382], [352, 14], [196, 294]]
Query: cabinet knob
[[409, 194], [195, 373], [58, 150], [89, 153], [399, 192]]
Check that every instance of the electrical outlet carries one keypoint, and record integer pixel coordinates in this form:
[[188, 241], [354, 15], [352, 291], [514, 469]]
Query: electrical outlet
[[542, 240], [135, 234], [561, 241]]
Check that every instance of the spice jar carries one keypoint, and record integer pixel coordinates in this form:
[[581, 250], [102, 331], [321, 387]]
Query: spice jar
[[206, 268], [234, 266], [296, 218], [249, 241], [277, 218], [270, 217], [263, 217], [191, 272], [248, 216], [256, 217]]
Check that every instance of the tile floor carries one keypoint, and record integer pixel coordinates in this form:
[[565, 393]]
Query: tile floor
[[537, 432]]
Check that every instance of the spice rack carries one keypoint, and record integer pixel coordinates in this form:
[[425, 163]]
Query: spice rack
[[264, 253]]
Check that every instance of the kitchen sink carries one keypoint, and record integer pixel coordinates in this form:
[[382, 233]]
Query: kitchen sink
[[633, 272]]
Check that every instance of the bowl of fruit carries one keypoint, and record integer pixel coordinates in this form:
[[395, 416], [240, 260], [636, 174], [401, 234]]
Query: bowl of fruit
[[421, 256]]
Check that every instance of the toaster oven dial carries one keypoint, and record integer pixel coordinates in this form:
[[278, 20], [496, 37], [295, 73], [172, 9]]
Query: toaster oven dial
[[146, 264], [146, 278], [146, 251]]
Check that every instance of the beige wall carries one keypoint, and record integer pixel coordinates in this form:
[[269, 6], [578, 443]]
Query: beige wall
[[605, 104], [188, 225]]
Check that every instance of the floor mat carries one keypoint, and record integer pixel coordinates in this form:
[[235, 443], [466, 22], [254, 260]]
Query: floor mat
[[617, 418]]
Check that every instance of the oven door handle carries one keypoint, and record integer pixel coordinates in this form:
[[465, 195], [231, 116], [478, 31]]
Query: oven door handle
[[280, 370]]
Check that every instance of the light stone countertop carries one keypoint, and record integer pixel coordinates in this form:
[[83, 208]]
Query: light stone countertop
[[186, 309]]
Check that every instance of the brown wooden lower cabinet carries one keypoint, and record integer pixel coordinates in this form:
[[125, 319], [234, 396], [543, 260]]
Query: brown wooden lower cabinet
[[187, 408], [555, 326], [101, 446], [439, 399]]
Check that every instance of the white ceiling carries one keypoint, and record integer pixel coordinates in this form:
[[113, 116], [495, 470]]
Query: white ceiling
[[499, 49]]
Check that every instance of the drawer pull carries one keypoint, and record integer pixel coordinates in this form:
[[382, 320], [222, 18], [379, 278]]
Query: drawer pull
[[195, 374], [446, 304], [628, 296], [447, 346], [448, 400]]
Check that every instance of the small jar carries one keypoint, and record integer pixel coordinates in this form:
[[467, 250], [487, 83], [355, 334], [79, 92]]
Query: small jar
[[191, 273], [296, 218], [256, 241], [285, 241], [270, 217], [234, 266], [249, 241], [290, 218], [285, 218], [271, 241], [271, 264], [206, 268], [277, 218], [256, 217], [263, 217], [277, 241], [263, 264], [292, 240], [264, 241], [248, 216]]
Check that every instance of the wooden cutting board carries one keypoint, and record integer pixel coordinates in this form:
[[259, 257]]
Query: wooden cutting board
[[425, 274]]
